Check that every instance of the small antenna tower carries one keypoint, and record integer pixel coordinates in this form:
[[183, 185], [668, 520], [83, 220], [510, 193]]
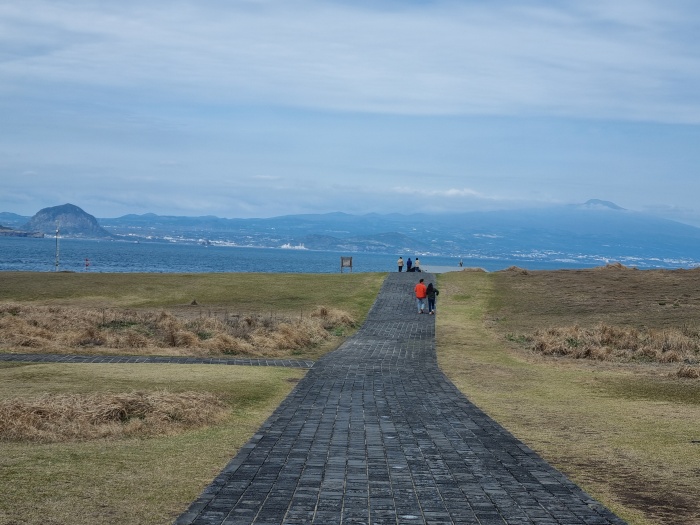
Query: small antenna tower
[[57, 231]]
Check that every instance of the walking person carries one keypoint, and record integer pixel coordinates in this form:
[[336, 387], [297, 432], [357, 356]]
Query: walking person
[[421, 292], [431, 293], [400, 263]]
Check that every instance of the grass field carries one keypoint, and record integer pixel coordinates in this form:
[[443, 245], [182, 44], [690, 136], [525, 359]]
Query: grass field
[[148, 479], [145, 480], [626, 430], [249, 293]]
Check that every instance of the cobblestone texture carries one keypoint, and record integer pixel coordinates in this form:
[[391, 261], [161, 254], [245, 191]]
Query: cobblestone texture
[[376, 434]]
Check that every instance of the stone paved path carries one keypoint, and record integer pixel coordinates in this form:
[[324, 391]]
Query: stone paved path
[[375, 434]]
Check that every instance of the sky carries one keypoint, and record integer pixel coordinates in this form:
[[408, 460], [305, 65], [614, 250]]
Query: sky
[[261, 108]]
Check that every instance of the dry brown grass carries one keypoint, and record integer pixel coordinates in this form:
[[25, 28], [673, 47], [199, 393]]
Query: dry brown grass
[[614, 266], [691, 372], [605, 342], [610, 313], [516, 270], [52, 418], [60, 329]]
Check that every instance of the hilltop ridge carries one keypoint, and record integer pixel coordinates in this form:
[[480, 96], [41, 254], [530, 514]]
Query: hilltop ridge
[[71, 221]]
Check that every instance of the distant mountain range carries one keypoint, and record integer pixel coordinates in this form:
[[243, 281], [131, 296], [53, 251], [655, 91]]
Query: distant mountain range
[[596, 229]]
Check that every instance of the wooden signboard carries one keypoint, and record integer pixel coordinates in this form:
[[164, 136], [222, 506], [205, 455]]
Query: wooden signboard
[[345, 262]]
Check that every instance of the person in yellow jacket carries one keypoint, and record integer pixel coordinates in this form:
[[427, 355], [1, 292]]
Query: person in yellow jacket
[[400, 263]]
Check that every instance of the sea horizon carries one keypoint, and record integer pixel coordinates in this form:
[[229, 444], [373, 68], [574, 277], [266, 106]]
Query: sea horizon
[[106, 256]]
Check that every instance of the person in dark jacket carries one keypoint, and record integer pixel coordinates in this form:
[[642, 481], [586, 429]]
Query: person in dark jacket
[[409, 265], [431, 293]]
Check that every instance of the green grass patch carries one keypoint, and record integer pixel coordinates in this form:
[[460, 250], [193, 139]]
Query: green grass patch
[[247, 293], [660, 390]]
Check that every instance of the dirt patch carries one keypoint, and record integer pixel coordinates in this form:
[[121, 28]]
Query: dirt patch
[[661, 504]]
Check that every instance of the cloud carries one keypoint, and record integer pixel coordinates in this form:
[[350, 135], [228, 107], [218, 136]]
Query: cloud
[[675, 213], [449, 193], [256, 108], [266, 177], [625, 60]]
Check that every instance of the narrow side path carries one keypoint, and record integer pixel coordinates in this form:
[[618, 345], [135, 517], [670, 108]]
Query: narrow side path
[[128, 359], [376, 434]]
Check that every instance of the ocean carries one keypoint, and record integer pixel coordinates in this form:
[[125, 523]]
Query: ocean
[[39, 255]]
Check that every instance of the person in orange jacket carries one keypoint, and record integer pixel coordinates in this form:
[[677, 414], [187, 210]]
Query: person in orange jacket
[[421, 293]]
